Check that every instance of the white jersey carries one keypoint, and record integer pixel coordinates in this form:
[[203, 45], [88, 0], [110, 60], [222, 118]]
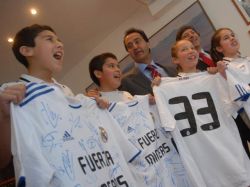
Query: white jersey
[[25, 79], [205, 133], [159, 163], [238, 78], [64, 141], [116, 96]]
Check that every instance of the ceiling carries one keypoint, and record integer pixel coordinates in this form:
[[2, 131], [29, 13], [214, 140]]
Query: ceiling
[[80, 24]]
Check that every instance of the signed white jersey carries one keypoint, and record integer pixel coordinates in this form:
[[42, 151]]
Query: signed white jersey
[[238, 78], [159, 163], [204, 131], [64, 141]]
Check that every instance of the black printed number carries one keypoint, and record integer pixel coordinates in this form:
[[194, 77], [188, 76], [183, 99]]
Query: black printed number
[[189, 113]]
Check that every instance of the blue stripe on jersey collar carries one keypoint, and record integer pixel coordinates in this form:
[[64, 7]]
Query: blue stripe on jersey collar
[[26, 101]]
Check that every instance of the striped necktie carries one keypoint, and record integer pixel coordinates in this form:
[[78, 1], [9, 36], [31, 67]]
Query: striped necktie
[[206, 60], [153, 71]]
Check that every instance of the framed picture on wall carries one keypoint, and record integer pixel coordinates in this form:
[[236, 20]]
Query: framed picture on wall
[[243, 7]]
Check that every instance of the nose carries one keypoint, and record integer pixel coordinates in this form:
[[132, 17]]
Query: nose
[[117, 68], [134, 46], [232, 37], [59, 44]]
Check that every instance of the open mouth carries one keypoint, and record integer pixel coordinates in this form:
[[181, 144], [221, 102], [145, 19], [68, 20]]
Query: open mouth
[[192, 57], [235, 43], [58, 55], [117, 76]]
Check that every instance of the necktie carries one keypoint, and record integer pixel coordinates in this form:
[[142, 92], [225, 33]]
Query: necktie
[[153, 71], [206, 60]]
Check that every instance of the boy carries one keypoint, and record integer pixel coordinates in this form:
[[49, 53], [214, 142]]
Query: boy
[[105, 72], [39, 49]]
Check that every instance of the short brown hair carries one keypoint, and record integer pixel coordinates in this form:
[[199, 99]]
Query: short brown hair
[[183, 29]]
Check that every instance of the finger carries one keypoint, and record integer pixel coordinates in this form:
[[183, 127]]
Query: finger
[[14, 95]]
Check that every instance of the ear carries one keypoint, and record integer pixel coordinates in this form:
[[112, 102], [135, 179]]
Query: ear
[[175, 60], [26, 51], [98, 73]]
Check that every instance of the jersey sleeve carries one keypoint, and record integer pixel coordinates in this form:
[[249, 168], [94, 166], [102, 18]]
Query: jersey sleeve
[[28, 158], [167, 120]]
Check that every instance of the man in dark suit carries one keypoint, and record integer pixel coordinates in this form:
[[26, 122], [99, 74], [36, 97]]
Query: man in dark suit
[[188, 32], [138, 80]]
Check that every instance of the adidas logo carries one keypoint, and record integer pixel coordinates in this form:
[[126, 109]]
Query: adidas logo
[[130, 129], [67, 136]]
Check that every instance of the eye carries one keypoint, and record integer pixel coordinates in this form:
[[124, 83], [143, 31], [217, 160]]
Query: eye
[[111, 65], [49, 38], [225, 37], [184, 49], [129, 46]]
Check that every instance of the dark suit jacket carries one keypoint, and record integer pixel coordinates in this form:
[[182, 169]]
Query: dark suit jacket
[[136, 83]]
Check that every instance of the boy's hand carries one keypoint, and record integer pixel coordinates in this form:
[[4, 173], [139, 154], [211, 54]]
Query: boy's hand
[[14, 93], [93, 93], [101, 103], [156, 81]]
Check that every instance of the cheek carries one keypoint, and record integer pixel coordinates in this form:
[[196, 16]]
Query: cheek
[[108, 75]]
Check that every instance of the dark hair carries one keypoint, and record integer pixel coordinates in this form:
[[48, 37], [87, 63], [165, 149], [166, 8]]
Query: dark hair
[[26, 37], [183, 29], [215, 42], [96, 63], [134, 30]]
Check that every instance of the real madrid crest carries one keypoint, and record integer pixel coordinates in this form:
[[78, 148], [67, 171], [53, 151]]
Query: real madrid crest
[[103, 134]]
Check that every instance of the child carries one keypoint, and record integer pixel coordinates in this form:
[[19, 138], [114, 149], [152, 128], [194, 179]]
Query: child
[[39, 49], [195, 105], [105, 72], [188, 32], [159, 163], [225, 52]]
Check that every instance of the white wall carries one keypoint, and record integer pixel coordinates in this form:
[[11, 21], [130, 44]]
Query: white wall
[[221, 12]]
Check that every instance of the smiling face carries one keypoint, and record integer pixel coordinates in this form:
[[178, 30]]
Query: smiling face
[[46, 57], [228, 43], [138, 48], [110, 76], [185, 56]]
